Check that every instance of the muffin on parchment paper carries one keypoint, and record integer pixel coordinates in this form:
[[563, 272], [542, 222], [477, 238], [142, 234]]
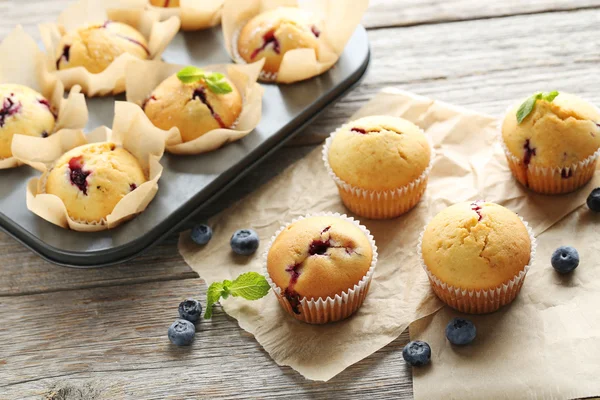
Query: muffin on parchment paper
[[31, 98], [552, 142], [194, 14]]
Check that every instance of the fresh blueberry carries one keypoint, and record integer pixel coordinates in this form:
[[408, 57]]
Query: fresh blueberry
[[181, 332], [244, 242], [565, 259], [460, 331], [190, 310], [201, 234], [417, 353], [593, 200]]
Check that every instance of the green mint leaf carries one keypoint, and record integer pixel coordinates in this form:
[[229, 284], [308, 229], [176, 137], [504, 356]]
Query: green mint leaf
[[215, 77], [527, 107], [212, 296], [218, 87], [191, 74], [250, 286], [550, 96]]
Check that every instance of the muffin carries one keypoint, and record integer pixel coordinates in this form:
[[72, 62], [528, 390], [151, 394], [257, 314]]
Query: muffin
[[476, 256], [271, 34], [165, 3], [554, 148], [320, 267], [92, 179], [380, 165], [95, 47], [23, 111], [192, 107]]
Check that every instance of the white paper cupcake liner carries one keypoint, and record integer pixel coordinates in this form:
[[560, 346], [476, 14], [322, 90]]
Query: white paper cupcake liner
[[237, 58], [548, 180], [371, 210], [479, 301], [330, 309]]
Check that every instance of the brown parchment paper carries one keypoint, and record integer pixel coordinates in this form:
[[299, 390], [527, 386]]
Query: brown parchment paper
[[134, 133], [142, 77], [84, 12], [468, 165], [340, 20], [194, 14], [22, 62]]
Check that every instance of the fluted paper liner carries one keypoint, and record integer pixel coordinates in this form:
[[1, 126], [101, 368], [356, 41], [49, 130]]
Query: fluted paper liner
[[374, 204], [330, 309], [21, 62], [194, 14], [84, 12], [130, 131], [551, 319], [479, 301], [339, 22], [143, 77]]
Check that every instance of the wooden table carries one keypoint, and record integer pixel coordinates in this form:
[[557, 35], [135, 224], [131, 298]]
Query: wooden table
[[101, 334]]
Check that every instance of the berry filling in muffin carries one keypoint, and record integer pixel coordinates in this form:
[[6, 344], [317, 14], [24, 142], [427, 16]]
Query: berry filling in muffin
[[200, 94], [268, 38], [9, 108], [65, 55], [477, 207], [529, 152], [77, 175]]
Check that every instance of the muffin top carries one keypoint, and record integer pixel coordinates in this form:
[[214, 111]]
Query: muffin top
[[192, 107], [271, 34], [555, 134], [91, 179], [165, 3], [95, 47], [319, 257], [23, 111], [379, 153], [476, 245]]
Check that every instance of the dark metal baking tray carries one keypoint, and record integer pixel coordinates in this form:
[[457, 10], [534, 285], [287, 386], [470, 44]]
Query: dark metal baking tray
[[188, 182]]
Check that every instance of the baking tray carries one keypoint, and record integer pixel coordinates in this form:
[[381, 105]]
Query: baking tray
[[188, 182]]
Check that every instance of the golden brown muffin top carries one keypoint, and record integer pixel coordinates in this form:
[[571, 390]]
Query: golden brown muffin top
[[476, 245]]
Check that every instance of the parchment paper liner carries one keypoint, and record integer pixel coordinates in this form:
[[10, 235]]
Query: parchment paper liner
[[21, 62], [478, 301], [194, 14], [379, 204], [546, 180], [142, 77], [322, 311], [340, 22], [130, 131], [84, 12]]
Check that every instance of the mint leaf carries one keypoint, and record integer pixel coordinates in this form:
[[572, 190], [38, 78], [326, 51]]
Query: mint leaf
[[190, 74], [250, 286], [550, 96], [527, 107], [219, 87], [212, 296]]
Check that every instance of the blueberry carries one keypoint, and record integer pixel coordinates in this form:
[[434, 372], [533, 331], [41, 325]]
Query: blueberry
[[460, 331], [190, 310], [244, 242], [565, 259], [593, 200], [417, 353], [201, 234], [181, 332]]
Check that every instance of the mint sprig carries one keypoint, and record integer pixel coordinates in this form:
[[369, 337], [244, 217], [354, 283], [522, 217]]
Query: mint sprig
[[215, 81], [527, 107], [250, 286]]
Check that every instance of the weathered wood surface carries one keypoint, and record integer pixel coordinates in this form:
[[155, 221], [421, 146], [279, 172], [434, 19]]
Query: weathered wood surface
[[103, 332]]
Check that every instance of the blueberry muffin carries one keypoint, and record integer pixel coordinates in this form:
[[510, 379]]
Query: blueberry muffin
[[316, 258], [92, 179], [192, 107], [380, 165], [23, 111], [552, 150], [95, 47], [165, 3], [273, 33], [476, 255]]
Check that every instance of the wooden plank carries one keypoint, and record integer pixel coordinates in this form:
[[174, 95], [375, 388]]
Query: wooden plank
[[113, 341]]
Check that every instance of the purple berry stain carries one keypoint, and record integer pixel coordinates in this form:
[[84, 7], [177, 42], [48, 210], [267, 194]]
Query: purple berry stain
[[315, 31], [66, 53], [200, 94], [268, 38], [359, 130], [132, 187], [146, 100], [77, 175], [9, 108], [529, 152], [289, 293], [476, 206], [44, 134], [566, 173]]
